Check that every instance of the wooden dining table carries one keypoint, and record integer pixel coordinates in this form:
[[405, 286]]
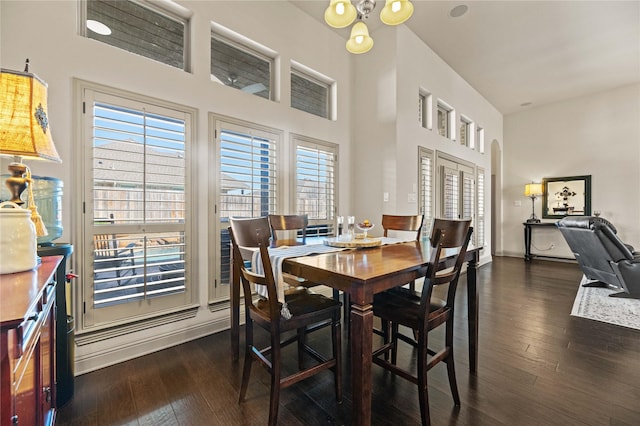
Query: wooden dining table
[[361, 273]]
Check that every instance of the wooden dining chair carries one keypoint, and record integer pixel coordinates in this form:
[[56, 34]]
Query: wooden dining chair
[[405, 224], [291, 224], [421, 312], [309, 312]]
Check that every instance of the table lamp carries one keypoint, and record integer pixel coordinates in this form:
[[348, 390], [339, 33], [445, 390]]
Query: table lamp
[[24, 129], [533, 191]]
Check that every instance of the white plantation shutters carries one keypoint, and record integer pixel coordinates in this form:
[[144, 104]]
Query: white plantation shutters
[[315, 184]]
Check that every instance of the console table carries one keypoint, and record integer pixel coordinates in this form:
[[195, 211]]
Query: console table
[[528, 227], [28, 345]]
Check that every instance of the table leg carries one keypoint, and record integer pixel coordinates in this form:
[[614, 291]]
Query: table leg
[[527, 242], [235, 310], [361, 348], [472, 305]]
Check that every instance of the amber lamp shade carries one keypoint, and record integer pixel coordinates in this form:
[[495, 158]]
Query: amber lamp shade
[[24, 125]]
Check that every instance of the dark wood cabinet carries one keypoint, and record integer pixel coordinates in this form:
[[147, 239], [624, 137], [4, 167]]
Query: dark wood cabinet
[[27, 345]]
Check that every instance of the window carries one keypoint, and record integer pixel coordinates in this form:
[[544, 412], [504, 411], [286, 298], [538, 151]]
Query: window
[[139, 27], [315, 184], [465, 132], [136, 193], [311, 91], [479, 228], [446, 118], [247, 182], [480, 139], [457, 188], [424, 110], [425, 173], [309, 95], [240, 63]]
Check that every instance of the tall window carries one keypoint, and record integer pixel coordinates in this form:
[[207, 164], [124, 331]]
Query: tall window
[[247, 182], [425, 173], [479, 233], [457, 188], [243, 66], [135, 196], [140, 28], [310, 92], [315, 183]]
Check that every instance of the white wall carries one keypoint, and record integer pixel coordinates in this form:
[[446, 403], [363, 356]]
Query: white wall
[[376, 128], [597, 135], [386, 132], [46, 32]]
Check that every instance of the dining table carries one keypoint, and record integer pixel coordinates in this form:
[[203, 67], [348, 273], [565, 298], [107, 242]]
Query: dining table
[[361, 273]]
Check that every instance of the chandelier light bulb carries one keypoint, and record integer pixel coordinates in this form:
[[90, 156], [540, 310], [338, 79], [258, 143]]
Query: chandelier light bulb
[[340, 13], [395, 12], [359, 42]]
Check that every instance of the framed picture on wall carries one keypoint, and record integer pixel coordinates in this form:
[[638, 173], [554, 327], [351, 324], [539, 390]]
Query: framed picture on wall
[[566, 196]]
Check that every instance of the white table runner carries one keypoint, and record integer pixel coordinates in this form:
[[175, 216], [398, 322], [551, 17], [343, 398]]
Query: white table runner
[[278, 254]]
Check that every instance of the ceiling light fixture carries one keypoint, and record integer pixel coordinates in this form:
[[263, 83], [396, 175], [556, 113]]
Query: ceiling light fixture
[[98, 27], [342, 13], [458, 11]]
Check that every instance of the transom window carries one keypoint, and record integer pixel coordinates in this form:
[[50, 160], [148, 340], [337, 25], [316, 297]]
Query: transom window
[[425, 103], [242, 66], [309, 93], [445, 118], [139, 27], [466, 137]]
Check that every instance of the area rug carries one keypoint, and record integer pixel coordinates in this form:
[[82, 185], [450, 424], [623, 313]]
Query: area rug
[[594, 303]]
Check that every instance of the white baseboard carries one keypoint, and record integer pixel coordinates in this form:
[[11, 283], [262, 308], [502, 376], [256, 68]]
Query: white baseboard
[[100, 357]]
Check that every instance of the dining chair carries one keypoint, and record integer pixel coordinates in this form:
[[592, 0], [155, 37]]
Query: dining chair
[[421, 312], [309, 312], [290, 224], [281, 222], [404, 224]]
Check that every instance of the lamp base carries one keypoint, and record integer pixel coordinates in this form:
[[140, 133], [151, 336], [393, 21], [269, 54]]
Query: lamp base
[[16, 182], [533, 220]]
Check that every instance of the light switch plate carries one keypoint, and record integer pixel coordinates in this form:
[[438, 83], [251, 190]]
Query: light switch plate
[[517, 203], [385, 197]]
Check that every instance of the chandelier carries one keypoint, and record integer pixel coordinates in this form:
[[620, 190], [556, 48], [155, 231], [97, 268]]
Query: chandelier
[[342, 13]]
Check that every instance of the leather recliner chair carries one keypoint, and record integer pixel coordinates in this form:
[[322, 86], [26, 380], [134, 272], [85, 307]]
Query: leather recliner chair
[[602, 256]]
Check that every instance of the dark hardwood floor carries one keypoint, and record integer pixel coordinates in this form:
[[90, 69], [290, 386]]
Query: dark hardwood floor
[[537, 366]]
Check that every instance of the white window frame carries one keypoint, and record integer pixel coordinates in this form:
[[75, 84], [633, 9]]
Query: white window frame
[[219, 287], [250, 47], [480, 228], [299, 141], [463, 172], [170, 10], [469, 133], [480, 139], [450, 116], [426, 182], [320, 79], [425, 109], [127, 317]]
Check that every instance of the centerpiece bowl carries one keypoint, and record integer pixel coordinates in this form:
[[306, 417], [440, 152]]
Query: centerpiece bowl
[[365, 227]]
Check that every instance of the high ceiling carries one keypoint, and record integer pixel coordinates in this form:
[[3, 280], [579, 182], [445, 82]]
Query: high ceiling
[[516, 52]]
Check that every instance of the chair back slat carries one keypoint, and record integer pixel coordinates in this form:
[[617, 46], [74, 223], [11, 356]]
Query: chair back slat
[[283, 222], [447, 234], [402, 223]]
